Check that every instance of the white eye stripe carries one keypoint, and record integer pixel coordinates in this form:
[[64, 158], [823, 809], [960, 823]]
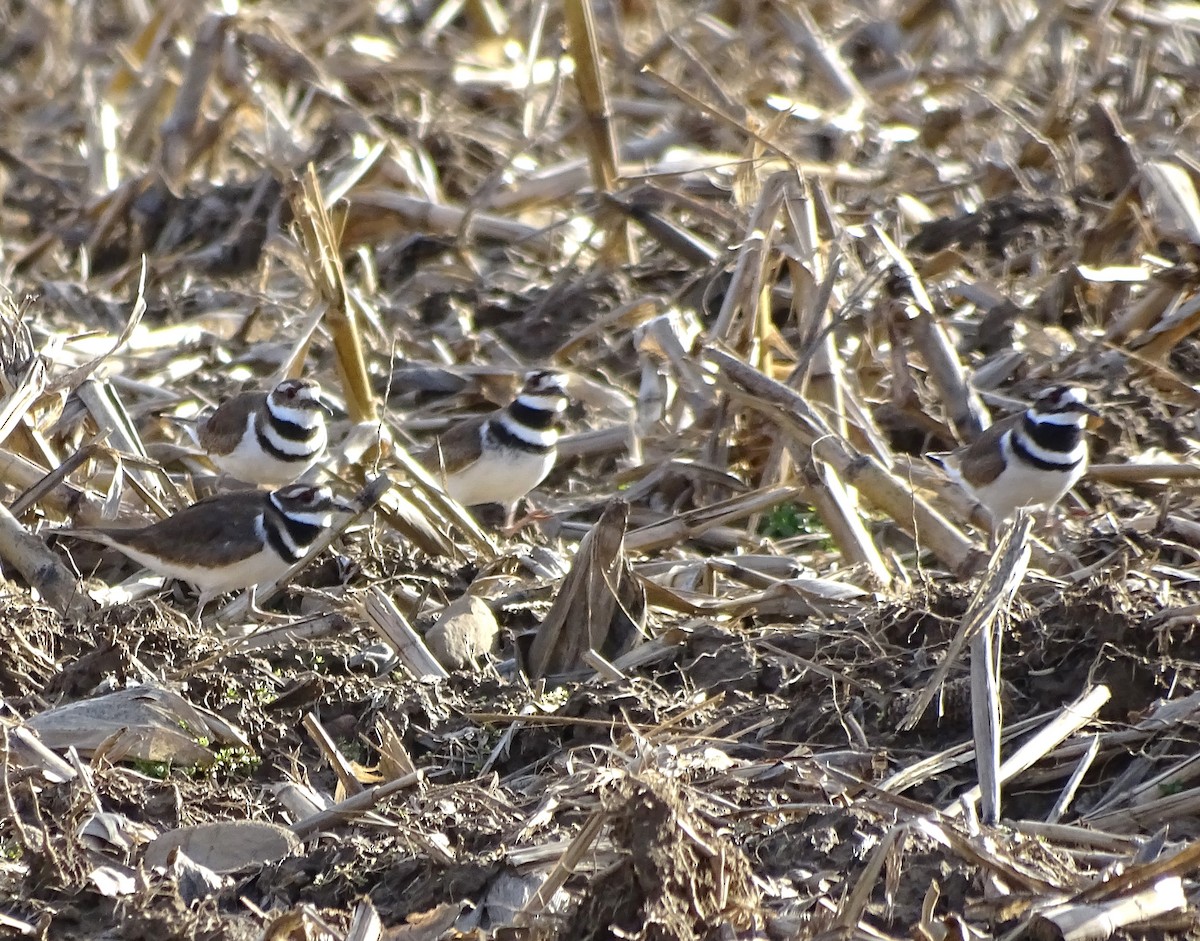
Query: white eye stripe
[[302, 498], [305, 387]]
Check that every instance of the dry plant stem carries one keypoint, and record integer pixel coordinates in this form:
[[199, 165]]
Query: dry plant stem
[[962, 403], [449, 511], [343, 183], [293, 365], [986, 646], [109, 413], [625, 317], [40, 491], [180, 131], [1016, 51], [20, 739], [1081, 836], [487, 18], [945, 369], [366, 924], [565, 179], [600, 137], [802, 29], [306, 629], [1067, 795], [1140, 876], [62, 498], [689, 246], [1148, 311], [28, 388], [74, 377], [292, 634], [602, 667], [355, 806], [789, 410], [557, 876], [928, 528], [1141, 473], [996, 588], [988, 858], [1120, 789], [1156, 345], [299, 800], [395, 629], [814, 277], [40, 567], [613, 439], [696, 522], [416, 523], [1178, 204], [112, 209], [137, 52], [21, 928], [1070, 720], [855, 903], [1150, 815], [986, 718], [341, 767], [1073, 921], [750, 133], [821, 377], [672, 337], [369, 207], [28, 440], [833, 504], [322, 242], [740, 295], [1169, 781]]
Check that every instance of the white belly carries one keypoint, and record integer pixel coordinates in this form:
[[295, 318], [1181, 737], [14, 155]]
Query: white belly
[[250, 463], [502, 477], [1023, 486], [263, 566]]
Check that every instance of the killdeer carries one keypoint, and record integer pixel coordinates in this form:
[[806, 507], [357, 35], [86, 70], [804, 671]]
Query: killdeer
[[228, 541], [266, 438], [1029, 459], [498, 458]]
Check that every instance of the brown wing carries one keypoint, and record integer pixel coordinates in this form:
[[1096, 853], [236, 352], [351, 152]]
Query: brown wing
[[222, 430], [216, 530], [455, 449], [981, 461]]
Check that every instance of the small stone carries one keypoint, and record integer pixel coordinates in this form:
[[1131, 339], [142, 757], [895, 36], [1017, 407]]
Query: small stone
[[465, 632]]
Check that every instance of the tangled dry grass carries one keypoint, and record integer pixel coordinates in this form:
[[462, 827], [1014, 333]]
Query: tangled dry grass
[[784, 250]]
